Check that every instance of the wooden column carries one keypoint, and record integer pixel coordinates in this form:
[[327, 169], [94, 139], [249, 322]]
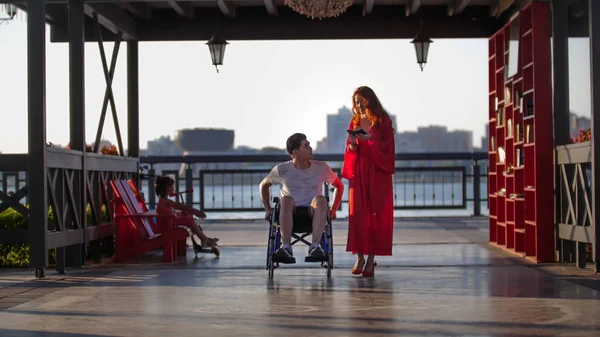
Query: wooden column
[[36, 126]]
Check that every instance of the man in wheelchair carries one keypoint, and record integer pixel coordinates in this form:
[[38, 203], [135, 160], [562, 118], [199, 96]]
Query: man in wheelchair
[[302, 199]]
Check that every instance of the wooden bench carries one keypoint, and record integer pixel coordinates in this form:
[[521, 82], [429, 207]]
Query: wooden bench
[[138, 231]]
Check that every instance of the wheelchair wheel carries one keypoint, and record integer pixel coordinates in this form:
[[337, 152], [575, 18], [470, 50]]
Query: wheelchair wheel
[[269, 244], [271, 266], [329, 266]]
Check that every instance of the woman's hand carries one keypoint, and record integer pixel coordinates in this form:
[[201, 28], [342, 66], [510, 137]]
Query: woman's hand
[[363, 136], [352, 139]]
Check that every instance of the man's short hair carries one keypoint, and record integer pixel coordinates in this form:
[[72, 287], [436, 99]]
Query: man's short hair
[[294, 142]]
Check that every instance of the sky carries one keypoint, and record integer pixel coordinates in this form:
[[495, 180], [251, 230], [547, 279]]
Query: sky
[[265, 90]]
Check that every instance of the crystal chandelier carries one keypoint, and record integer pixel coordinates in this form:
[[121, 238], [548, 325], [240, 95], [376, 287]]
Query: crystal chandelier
[[319, 8]]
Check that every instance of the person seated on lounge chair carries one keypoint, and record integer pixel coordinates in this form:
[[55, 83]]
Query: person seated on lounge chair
[[301, 181], [165, 186]]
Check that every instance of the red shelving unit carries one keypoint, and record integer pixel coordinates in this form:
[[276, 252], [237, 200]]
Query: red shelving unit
[[521, 169]]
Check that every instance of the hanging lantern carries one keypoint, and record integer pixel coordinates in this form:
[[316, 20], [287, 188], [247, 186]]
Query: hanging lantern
[[422, 42], [217, 45]]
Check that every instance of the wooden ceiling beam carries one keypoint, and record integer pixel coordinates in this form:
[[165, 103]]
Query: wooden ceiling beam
[[271, 7], [183, 8], [227, 8]]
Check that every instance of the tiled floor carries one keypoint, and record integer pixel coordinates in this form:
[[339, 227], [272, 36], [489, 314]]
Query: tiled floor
[[442, 280]]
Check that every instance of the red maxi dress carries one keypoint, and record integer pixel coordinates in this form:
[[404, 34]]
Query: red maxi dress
[[370, 196]]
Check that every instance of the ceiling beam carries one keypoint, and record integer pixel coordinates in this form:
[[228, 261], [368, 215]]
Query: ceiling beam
[[227, 8], [456, 7], [368, 7], [258, 25], [412, 6], [271, 7], [183, 8], [138, 9], [114, 19]]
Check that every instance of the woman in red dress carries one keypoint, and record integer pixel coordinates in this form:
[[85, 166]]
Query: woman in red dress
[[369, 162]]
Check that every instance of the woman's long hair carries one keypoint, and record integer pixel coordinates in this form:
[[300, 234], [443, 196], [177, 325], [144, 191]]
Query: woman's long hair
[[374, 110]]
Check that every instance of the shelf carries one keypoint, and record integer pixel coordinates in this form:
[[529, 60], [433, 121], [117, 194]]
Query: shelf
[[527, 197]]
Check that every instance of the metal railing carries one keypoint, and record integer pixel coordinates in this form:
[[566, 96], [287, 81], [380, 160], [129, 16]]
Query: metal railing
[[229, 183]]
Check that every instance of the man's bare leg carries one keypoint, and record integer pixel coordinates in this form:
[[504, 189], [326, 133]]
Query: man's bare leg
[[319, 219], [286, 219]]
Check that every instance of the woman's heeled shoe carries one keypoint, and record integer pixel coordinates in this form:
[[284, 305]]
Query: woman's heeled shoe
[[356, 270], [370, 273]]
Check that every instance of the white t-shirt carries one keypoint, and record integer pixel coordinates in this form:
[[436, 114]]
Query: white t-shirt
[[302, 185]]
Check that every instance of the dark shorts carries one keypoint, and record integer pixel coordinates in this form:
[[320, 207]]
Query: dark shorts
[[302, 220]]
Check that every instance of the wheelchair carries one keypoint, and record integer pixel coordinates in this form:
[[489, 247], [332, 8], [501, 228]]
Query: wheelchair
[[301, 229]]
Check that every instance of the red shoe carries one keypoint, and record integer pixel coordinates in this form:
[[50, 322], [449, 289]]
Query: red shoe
[[356, 271], [370, 273]]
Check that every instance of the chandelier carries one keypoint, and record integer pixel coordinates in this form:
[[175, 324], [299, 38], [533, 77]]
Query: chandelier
[[319, 8]]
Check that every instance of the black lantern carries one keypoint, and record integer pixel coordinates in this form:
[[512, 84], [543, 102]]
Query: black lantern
[[422, 43], [217, 45]]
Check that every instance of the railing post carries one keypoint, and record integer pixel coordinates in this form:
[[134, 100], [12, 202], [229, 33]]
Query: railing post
[[201, 181], [151, 190], [189, 185], [476, 189]]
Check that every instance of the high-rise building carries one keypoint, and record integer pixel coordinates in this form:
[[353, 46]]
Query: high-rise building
[[337, 125]]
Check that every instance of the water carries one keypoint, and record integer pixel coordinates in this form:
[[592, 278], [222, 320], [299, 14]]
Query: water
[[418, 195]]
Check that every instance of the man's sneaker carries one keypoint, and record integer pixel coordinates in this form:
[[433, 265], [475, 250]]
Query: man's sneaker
[[315, 254], [285, 255]]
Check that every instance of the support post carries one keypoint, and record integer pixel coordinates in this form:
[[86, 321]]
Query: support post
[[36, 126], [189, 185], [133, 100], [75, 254], [151, 189], [476, 189], [594, 19], [561, 110]]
